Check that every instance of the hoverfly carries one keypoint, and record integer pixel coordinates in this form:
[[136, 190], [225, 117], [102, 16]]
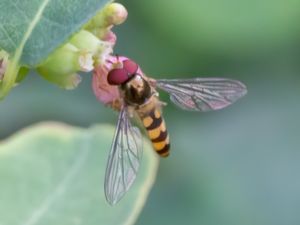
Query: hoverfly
[[138, 96]]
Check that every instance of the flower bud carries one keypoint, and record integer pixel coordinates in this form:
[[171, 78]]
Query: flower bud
[[101, 24], [62, 66], [89, 43], [111, 14], [115, 14], [85, 40]]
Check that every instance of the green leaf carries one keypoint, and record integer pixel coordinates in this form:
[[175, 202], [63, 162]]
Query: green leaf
[[53, 174], [34, 28], [31, 29]]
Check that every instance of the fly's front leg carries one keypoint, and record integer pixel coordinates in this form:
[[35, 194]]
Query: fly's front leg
[[160, 103], [131, 112], [152, 82], [155, 93]]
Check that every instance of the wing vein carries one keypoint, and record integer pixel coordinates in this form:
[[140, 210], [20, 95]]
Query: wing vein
[[203, 94], [123, 162]]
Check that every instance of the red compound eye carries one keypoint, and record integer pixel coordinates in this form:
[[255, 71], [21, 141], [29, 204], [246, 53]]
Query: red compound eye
[[130, 66], [117, 76]]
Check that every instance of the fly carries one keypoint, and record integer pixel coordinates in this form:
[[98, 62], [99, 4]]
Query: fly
[[139, 98]]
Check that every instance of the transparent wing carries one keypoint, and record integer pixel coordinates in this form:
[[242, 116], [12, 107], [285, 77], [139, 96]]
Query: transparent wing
[[124, 159], [203, 94]]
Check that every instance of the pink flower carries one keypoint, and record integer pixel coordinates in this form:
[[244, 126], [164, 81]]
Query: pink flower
[[105, 93], [110, 36]]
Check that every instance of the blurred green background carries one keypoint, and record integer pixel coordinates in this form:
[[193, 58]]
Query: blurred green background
[[237, 166]]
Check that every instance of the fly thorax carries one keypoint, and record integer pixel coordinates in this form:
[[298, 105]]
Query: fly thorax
[[136, 91]]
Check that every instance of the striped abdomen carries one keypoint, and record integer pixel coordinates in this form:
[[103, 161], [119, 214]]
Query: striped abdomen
[[157, 131]]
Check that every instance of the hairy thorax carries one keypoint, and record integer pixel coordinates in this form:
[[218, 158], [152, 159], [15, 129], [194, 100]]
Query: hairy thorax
[[136, 91]]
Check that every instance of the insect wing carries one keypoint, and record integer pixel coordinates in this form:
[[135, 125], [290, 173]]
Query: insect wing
[[203, 94], [124, 159]]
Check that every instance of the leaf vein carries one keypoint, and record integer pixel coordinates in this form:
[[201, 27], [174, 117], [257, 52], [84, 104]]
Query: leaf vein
[[60, 189], [52, 21], [21, 11], [8, 36]]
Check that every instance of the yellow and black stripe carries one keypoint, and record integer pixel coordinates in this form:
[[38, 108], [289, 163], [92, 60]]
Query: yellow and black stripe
[[157, 131]]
